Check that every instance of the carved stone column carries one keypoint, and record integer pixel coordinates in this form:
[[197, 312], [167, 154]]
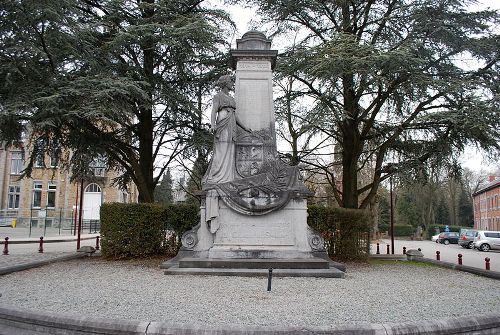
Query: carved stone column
[[253, 61]]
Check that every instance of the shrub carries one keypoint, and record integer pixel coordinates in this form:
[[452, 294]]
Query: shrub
[[141, 230], [346, 231], [179, 219], [403, 230]]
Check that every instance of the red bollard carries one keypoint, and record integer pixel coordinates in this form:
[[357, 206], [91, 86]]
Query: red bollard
[[404, 250], [459, 259], [40, 250], [378, 248], [388, 249], [6, 246], [487, 260], [438, 256], [97, 243]]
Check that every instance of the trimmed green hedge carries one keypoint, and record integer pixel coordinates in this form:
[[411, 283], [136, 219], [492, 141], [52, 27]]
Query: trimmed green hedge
[[346, 231], [399, 229], [142, 230]]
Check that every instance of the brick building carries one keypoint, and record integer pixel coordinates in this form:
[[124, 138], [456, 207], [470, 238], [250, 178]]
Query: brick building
[[487, 205], [48, 198]]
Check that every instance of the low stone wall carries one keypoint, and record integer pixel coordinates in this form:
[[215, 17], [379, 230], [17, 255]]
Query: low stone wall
[[17, 322]]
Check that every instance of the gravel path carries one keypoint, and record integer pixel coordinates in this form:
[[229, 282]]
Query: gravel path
[[368, 294]]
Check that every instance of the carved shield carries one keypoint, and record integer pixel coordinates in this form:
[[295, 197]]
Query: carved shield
[[249, 159]]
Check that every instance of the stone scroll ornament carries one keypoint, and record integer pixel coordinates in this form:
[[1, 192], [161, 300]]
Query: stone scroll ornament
[[190, 238], [263, 182]]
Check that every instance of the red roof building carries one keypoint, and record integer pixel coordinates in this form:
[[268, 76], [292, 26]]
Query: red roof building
[[487, 206]]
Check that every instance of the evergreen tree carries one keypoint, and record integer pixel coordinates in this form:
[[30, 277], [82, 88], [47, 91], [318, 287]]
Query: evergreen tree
[[164, 190], [116, 78], [407, 213], [196, 174], [386, 80], [442, 213], [465, 209]]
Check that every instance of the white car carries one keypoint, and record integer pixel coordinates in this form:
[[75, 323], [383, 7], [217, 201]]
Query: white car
[[435, 238]]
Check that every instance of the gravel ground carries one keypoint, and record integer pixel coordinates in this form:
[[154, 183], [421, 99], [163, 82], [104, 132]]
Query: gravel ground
[[368, 294]]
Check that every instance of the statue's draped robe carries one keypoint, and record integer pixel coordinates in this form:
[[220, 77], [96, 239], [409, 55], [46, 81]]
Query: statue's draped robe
[[222, 166]]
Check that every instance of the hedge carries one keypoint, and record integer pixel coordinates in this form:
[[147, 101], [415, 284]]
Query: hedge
[[346, 231], [142, 230], [399, 229]]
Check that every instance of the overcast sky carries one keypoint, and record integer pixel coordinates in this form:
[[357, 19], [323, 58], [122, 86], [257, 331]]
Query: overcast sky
[[242, 16]]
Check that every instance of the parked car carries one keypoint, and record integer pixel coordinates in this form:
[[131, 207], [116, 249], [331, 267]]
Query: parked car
[[435, 238], [466, 239], [448, 237], [486, 240]]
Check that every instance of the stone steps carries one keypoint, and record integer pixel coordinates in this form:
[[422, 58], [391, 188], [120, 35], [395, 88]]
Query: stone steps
[[253, 263], [321, 273]]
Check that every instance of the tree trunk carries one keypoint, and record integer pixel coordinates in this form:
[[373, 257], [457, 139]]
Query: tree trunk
[[145, 121], [351, 145]]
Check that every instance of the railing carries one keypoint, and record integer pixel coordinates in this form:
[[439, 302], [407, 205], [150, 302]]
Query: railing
[[45, 222]]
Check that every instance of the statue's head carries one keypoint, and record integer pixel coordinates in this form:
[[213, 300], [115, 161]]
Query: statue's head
[[225, 81]]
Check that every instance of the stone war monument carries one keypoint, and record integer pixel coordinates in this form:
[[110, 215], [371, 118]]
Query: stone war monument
[[254, 206]]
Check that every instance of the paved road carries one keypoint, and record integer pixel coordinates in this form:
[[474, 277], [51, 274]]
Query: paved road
[[449, 253], [24, 253]]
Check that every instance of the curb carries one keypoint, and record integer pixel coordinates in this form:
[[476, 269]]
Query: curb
[[464, 268], [447, 265], [17, 322], [31, 265]]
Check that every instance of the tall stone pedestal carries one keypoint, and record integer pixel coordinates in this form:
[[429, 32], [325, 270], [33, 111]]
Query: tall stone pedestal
[[257, 219]]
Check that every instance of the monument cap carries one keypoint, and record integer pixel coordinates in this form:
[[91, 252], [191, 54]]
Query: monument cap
[[253, 40], [253, 45]]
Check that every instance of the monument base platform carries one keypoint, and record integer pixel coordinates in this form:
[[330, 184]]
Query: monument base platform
[[242, 272], [195, 263]]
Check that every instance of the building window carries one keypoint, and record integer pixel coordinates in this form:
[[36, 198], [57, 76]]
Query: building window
[[39, 153], [37, 194], [16, 164], [98, 166], [496, 201], [54, 159], [51, 195], [93, 188], [124, 197], [14, 195], [39, 159]]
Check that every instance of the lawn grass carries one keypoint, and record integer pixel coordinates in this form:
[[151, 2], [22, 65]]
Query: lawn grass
[[378, 262]]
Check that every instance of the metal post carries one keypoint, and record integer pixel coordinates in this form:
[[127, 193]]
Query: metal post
[[404, 250], [60, 219], [31, 214], [6, 246], [378, 248], [438, 256], [269, 279], [72, 222], [40, 249], [487, 263], [459, 259], [45, 222], [388, 251], [74, 214], [392, 215], [97, 243], [80, 216]]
